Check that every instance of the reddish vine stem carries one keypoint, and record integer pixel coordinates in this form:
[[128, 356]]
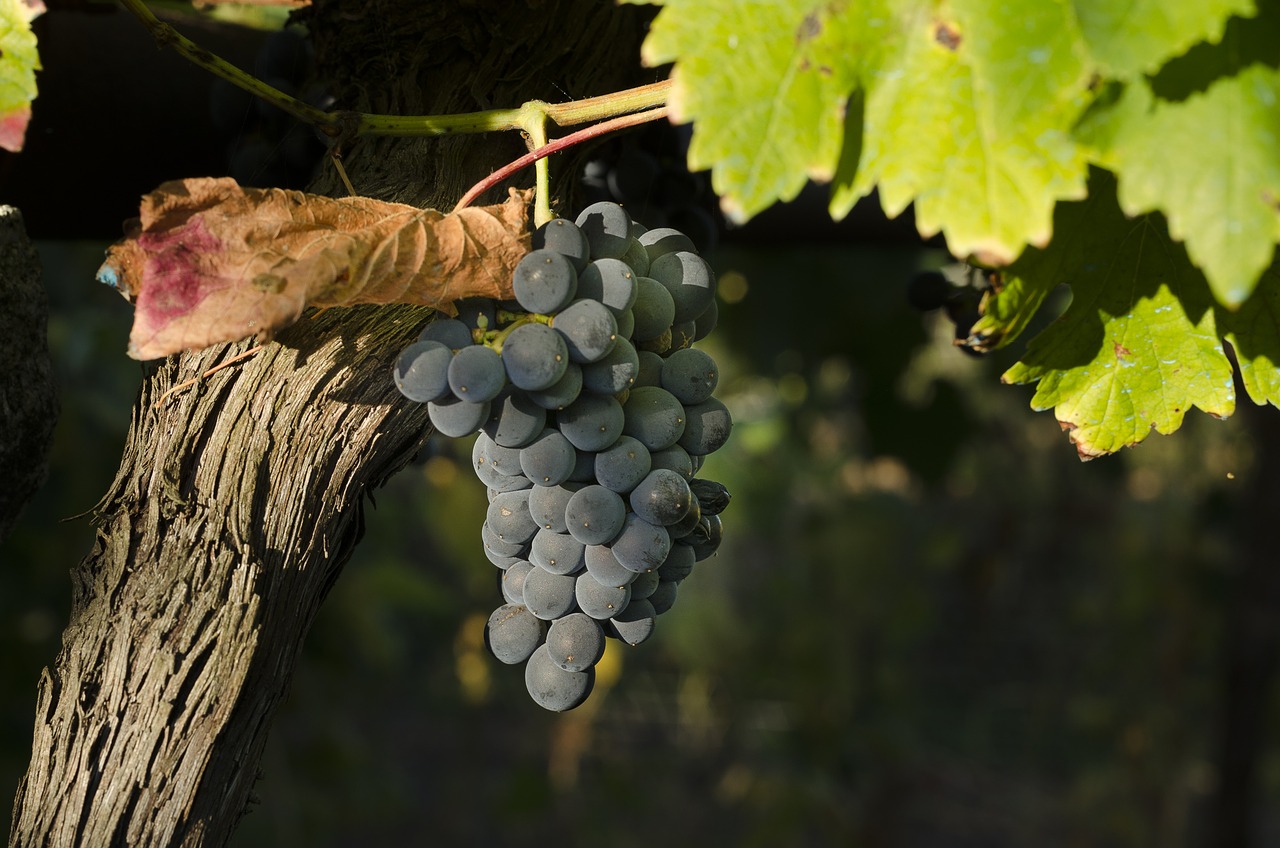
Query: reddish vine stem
[[593, 131]]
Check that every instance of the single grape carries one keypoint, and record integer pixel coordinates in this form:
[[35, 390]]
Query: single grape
[[547, 595], [689, 279], [513, 582], [622, 465], [502, 460], [512, 633], [558, 553], [564, 392], [544, 281], [553, 688], [549, 459], [515, 421], [457, 418], [635, 623], [564, 237], [706, 322], [665, 240], [674, 458], [508, 517], [706, 539], [575, 642], [499, 546], [712, 497], [592, 422], [691, 375], [450, 332], [678, 565], [654, 309], [589, 330], [609, 281], [607, 228], [636, 257], [594, 515], [707, 428], [604, 567], [476, 374], [598, 600], [664, 597], [421, 371], [655, 418], [661, 498], [641, 546], [686, 525], [615, 373], [644, 584], [501, 482], [547, 505], [535, 357], [650, 373]]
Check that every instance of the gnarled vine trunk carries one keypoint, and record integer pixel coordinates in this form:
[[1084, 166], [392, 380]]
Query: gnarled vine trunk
[[239, 499]]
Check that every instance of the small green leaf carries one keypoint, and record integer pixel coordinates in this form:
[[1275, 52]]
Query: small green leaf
[[1136, 37], [766, 85], [969, 119], [1007, 311], [1138, 346], [19, 62], [1225, 205], [1254, 333]]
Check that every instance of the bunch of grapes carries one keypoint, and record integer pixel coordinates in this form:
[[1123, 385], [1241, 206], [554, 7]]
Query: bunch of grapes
[[594, 414]]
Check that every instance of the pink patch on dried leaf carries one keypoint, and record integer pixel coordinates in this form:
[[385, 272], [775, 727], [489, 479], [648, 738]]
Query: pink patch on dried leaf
[[212, 262]]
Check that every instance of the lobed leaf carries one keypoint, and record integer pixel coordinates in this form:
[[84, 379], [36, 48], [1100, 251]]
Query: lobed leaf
[[19, 62], [1225, 206], [210, 261], [1136, 37], [765, 83], [970, 121], [1139, 344]]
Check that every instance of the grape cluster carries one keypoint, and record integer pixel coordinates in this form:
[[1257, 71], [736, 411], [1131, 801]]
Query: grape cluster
[[594, 414]]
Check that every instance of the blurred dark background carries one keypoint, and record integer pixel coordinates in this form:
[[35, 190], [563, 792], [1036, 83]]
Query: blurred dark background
[[929, 625]]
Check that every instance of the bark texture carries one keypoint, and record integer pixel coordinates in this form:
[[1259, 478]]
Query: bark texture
[[238, 501], [28, 393]]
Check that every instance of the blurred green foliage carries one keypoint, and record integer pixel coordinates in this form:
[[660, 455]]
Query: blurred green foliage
[[929, 625]]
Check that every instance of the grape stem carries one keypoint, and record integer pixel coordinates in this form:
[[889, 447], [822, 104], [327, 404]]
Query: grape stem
[[593, 131], [342, 125], [497, 338]]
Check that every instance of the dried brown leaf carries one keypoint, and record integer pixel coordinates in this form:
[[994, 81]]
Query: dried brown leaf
[[210, 261]]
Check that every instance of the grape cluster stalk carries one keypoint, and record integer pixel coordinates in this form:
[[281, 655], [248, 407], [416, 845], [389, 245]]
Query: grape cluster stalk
[[593, 413]]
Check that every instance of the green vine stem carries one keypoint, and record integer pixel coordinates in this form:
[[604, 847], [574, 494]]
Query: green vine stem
[[530, 118]]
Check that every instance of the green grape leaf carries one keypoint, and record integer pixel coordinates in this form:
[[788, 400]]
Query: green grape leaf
[[969, 119], [1007, 310], [1139, 344], [1209, 163], [19, 62], [765, 83], [1254, 333], [1136, 37]]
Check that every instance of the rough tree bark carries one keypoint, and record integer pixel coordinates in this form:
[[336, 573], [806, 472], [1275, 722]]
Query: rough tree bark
[[237, 502]]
